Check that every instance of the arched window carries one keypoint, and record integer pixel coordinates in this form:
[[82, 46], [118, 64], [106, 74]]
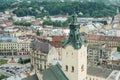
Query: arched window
[[41, 67], [90, 79], [66, 53], [38, 67], [66, 68], [44, 66], [72, 69], [72, 53], [82, 68]]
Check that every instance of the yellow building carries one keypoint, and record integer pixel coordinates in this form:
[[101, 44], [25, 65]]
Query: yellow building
[[15, 44]]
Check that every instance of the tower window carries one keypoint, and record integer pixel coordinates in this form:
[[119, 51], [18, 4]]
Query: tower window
[[45, 66], [71, 35], [67, 53], [41, 66], [82, 68], [90, 78], [72, 53], [72, 69], [66, 68], [37, 66]]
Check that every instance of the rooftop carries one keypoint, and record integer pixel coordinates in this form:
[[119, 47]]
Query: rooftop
[[115, 56], [54, 73], [115, 75], [44, 47], [7, 38], [98, 72], [33, 77], [103, 38]]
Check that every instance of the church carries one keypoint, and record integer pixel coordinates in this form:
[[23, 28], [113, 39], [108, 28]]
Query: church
[[74, 53]]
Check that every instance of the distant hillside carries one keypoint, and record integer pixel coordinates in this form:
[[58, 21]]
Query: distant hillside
[[85, 9], [111, 1], [115, 2], [39, 8]]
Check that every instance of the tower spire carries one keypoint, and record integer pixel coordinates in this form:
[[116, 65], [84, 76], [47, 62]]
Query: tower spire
[[74, 38], [74, 18]]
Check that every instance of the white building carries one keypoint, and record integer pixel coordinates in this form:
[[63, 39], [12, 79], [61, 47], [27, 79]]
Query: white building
[[59, 18]]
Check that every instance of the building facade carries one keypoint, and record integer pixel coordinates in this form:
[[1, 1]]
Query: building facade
[[43, 55], [98, 54], [9, 44], [110, 41]]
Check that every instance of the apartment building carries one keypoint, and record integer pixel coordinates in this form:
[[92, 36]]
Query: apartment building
[[17, 45], [110, 41]]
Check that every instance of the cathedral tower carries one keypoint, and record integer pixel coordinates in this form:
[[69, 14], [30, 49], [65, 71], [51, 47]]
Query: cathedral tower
[[74, 53]]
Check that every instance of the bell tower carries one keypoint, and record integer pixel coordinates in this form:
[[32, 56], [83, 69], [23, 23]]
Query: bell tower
[[74, 53]]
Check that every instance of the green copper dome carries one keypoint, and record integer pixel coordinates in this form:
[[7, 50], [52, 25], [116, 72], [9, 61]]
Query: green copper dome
[[75, 38]]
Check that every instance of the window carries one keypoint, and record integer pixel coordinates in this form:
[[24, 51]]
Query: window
[[90, 79], [71, 35], [82, 68], [72, 53], [44, 66], [41, 66], [37, 66], [66, 68], [66, 53], [72, 69]]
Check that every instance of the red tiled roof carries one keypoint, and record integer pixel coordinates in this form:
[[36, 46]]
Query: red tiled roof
[[37, 22], [56, 41], [31, 36], [58, 38], [93, 37], [103, 38], [6, 22], [16, 28], [56, 44]]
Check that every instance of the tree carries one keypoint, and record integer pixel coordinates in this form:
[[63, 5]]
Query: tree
[[118, 48], [10, 18], [23, 61], [20, 60], [2, 77], [89, 9], [38, 33], [47, 22], [23, 23]]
